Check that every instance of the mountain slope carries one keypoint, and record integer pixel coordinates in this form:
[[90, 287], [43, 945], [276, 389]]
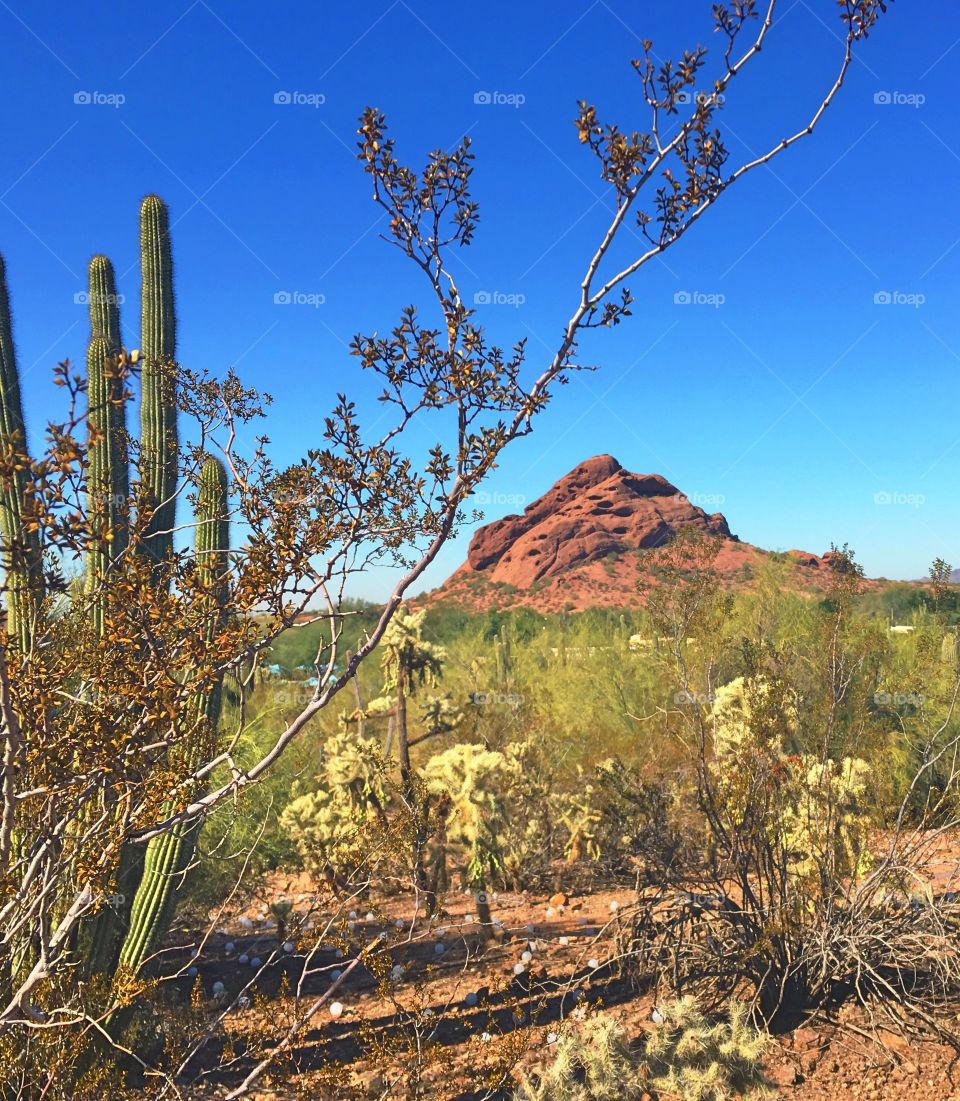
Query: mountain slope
[[582, 544]]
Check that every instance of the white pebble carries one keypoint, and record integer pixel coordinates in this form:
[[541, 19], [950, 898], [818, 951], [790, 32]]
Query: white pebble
[[526, 957], [399, 924], [256, 962], [471, 1000], [593, 964], [244, 958], [218, 988], [519, 968], [336, 1008], [550, 912], [245, 923], [288, 946], [371, 916], [439, 949], [339, 953], [334, 975], [552, 1037], [657, 1017], [353, 917], [564, 941], [243, 1002], [229, 946], [192, 972], [485, 1037], [614, 906]]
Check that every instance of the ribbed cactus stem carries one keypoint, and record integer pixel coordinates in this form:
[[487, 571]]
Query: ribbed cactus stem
[[169, 855], [103, 303], [108, 486], [20, 548], [158, 346]]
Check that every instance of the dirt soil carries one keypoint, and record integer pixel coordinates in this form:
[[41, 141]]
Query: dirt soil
[[445, 1014]]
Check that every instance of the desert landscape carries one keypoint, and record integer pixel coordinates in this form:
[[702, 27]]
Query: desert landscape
[[369, 730]]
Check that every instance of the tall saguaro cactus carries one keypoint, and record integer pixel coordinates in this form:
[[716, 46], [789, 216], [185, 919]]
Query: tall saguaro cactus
[[169, 855], [158, 346], [108, 481], [20, 548]]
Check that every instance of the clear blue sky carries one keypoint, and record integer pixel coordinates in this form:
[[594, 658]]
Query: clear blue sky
[[792, 404]]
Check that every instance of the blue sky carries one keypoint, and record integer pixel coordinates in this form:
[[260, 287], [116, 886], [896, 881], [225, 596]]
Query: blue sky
[[798, 405]]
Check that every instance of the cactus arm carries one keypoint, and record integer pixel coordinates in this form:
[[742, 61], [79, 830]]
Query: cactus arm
[[103, 303], [108, 486], [158, 410], [169, 855], [21, 555]]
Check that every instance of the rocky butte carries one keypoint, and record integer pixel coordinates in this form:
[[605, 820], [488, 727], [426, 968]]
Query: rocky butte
[[582, 544]]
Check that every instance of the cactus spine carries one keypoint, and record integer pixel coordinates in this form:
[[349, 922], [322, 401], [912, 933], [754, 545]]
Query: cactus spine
[[169, 855], [20, 550], [158, 410]]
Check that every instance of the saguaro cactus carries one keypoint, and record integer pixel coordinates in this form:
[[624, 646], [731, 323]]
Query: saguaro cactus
[[158, 346], [20, 548], [104, 302], [108, 481], [169, 855]]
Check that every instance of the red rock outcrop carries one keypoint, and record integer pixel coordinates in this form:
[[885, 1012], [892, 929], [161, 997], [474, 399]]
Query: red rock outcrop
[[598, 509], [582, 545]]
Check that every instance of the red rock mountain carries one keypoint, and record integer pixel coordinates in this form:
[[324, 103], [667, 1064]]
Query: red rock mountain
[[581, 543]]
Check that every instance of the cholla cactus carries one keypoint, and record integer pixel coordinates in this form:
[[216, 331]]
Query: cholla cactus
[[687, 1056], [472, 783], [592, 1063], [580, 813], [817, 811], [404, 650], [328, 824], [750, 710], [825, 823]]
